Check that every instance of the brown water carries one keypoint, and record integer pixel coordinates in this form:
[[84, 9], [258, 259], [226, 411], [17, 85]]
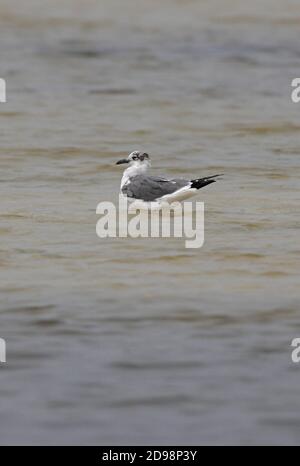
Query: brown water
[[123, 341]]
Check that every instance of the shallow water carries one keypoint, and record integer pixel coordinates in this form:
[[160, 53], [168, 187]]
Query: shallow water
[[123, 341]]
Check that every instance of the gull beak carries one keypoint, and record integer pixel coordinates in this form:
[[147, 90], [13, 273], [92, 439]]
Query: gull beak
[[122, 161]]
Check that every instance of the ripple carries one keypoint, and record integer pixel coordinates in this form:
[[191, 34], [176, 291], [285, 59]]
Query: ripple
[[152, 401], [111, 91], [165, 366], [31, 309], [265, 129]]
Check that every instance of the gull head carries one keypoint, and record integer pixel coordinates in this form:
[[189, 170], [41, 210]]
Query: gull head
[[136, 159]]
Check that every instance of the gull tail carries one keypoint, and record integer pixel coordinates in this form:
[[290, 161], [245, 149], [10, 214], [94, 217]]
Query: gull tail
[[201, 182]]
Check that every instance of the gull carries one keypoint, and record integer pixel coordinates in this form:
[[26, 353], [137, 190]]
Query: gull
[[136, 184]]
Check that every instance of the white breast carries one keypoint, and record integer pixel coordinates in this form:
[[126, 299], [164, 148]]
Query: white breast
[[133, 170]]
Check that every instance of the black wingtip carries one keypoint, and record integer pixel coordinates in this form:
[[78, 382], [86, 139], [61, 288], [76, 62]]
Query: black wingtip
[[201, 182]]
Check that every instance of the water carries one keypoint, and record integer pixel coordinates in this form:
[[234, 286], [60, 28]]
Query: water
[[123, 341]]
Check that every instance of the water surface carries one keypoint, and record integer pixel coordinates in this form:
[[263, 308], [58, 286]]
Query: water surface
[[123, 341]]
